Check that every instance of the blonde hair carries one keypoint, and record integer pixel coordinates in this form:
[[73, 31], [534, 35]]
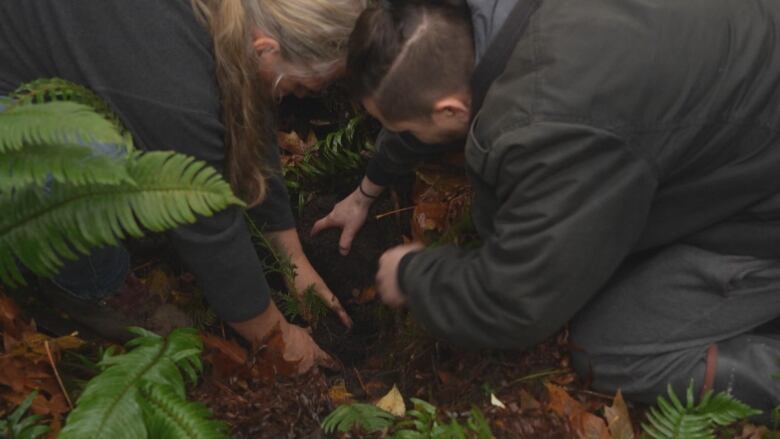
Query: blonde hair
[[312, 37]]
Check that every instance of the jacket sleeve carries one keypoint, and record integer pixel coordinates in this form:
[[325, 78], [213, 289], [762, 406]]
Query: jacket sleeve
[[398, 154], [275, 212], [572, 201], [217, 249]]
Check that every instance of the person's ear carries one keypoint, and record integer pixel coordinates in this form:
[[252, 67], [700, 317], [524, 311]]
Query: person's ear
[[265, 45], [451, 109]]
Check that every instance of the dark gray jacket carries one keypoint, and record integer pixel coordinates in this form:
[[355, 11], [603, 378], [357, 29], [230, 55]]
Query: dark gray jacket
[[618, 126], [153, 63]]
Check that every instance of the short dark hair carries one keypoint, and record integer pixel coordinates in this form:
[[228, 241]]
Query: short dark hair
[[406, 54]]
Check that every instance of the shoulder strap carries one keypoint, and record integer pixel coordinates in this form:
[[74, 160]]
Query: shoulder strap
[[494, 60]]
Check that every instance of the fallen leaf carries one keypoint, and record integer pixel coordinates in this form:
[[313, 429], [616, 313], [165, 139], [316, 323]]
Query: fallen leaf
[[586, 424], [496, 402], [618, 420], [367, 295], [528, 402], [339, 394], [393, 402], [159, 283], [290, 142]]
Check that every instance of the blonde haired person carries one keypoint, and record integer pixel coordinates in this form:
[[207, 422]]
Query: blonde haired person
[[196, 77]]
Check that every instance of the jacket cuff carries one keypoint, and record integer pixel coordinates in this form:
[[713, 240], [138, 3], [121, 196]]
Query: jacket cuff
[[401, 268], [378, 175]]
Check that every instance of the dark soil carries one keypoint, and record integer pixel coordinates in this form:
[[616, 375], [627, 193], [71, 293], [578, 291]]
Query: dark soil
[[346, 275]]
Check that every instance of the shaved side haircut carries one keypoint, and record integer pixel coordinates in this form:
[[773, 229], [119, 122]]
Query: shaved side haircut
[[405, 55]]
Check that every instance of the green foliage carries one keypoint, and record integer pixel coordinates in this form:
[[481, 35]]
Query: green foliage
[[42, 227], [337, 156], [672, 420], [308, 305], [60, 197], [422, 422], [167, 415], [18, 426], [57, 89], [141, 393], [54, 122], [369, 418]]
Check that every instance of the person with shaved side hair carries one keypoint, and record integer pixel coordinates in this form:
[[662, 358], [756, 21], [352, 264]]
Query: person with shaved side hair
[[625, 158]]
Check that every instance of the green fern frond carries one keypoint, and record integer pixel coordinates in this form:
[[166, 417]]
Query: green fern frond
[[40, 229], [167, 415], [63, 162], [367, 417], [54, 122], [57, 89], [109, 406], [673, 420], [18, 426]]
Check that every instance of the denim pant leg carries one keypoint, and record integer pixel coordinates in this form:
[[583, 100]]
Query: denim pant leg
[[103, 270]]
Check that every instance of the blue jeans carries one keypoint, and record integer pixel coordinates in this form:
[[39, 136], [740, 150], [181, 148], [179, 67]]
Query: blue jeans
[[101, 272]]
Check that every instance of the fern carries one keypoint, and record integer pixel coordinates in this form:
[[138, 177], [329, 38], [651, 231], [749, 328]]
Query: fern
[[57, 89], [673, 420], [334, 157], [367, 417], [62, 162], [41, 228], [54, 122], [17, 427], [110, 407], [167, 415]]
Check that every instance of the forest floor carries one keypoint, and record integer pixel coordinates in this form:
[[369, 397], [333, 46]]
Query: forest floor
[[531, 394]]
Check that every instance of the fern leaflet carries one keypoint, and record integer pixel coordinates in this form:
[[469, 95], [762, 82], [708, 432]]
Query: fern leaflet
[[42, 228], [109, 406], [673, 420], [54, 122]]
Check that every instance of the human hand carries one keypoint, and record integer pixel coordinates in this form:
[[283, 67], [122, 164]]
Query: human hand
[[349, 215], [298, 347], [306, 276], [387, 276]]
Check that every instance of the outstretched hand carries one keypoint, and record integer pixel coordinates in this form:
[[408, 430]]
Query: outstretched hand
[[349, 215]]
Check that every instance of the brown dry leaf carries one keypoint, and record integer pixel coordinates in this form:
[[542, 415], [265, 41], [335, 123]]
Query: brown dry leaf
[[618, 420], [367, 295], [528, 402], [159, 283], [291, 142], [9, 311], [339, 394], [393, 402], [586, 424], [294, 144], [269, 360], [226, 357]]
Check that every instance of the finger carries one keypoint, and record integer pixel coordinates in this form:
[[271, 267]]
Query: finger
[[345, 242], [333, 303], [322, 224], [326, 360]]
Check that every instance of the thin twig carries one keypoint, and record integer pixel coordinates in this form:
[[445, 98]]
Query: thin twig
[[393, 212], [536, 376], [57, 374], [360, 381]]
